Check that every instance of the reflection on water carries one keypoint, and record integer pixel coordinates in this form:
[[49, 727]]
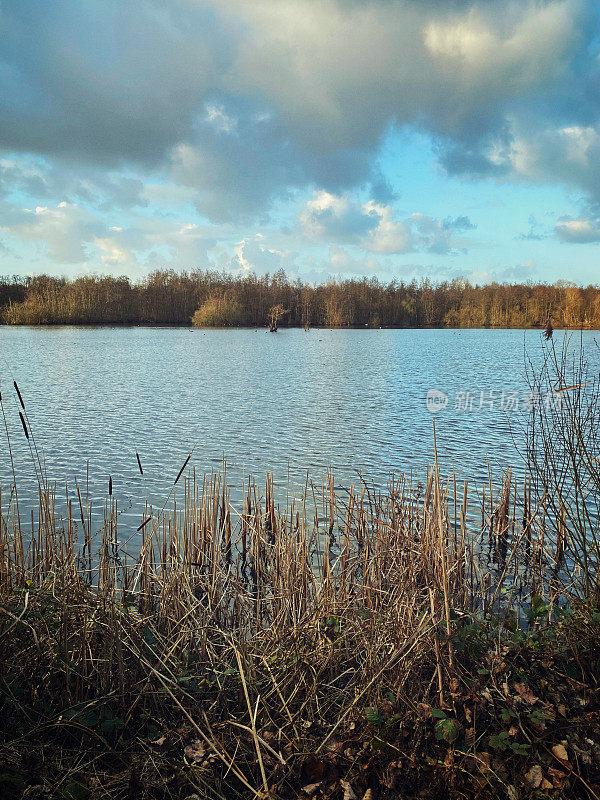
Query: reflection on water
[[297, 401]]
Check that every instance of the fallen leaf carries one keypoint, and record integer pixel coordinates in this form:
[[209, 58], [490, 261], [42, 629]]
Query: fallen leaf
[[349, 793], [560, 752], [534, 777], [525, 693], [160, 741], [485, 761], [557, 776], [311, 788], [546, 784], [194, 751]]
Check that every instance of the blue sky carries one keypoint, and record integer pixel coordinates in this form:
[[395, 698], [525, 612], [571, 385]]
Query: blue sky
[[330, 138]]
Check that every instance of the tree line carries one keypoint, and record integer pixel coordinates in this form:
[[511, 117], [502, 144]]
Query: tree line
[[212, 298]]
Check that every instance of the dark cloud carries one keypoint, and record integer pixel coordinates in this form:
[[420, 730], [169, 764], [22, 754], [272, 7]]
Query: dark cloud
[[245, 104]]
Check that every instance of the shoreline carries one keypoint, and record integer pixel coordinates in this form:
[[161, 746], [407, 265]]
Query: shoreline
[[239, 655]]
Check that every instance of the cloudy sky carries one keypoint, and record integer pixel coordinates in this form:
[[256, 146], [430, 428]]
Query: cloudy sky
[[388, 138]]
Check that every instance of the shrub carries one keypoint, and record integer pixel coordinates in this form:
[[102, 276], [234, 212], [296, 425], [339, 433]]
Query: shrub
[[218, 312]]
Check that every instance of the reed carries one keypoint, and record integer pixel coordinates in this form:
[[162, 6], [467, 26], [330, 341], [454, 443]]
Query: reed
[[267, 641]]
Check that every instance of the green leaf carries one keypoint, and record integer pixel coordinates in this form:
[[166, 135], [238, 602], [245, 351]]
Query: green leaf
[[75, 791], [519, 749], [373, 715], [499, 741], [446, 730], [112, 724], [438, 713]]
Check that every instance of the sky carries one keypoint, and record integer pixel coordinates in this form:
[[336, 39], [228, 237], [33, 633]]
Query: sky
[[395, 139]]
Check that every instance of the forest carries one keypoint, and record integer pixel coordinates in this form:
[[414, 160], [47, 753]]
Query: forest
[[209, 298]]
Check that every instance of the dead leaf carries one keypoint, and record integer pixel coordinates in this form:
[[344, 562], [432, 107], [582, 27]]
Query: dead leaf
[[160, 741], [560, 752], [349, 793], [194, 751], [368, 795], [311, 788], [546, 784], [534, 777], [525, 693], [423, 710], [485, 761], [557, 776]]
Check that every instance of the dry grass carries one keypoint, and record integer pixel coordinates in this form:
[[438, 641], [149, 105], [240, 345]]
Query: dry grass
[[288, 652]]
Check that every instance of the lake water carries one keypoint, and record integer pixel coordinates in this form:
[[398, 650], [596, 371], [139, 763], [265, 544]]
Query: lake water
[[352, 401]]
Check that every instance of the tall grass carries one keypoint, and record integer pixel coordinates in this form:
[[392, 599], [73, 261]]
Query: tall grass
[[258, 650], [260, 625]]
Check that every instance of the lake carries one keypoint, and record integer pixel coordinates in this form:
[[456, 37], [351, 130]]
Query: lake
[[355, 401]]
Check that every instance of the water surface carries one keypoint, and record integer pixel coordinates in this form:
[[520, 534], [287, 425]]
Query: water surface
[[349, 400]]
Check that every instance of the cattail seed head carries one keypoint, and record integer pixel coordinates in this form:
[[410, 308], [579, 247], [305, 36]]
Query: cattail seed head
[[24, 425], [19, 395]]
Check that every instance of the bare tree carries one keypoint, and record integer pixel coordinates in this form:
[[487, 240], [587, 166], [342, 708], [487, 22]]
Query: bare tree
[[275, 314]]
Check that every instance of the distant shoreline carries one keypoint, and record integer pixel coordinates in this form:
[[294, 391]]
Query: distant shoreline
[[182, 326], [211, 299]]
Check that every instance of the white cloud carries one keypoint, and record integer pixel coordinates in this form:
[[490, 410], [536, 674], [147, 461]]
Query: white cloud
[[529, 49], [578, 231], [375, 227], [390, 235], [252, 254], [64, 230]]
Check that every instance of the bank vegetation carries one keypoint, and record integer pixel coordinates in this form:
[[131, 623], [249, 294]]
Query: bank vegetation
[[222, 299]]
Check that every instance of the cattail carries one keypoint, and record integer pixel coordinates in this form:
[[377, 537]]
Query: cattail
[[137, 455], [20, 397], [110, 485], [23, 423], [144, 523], [185, 463]]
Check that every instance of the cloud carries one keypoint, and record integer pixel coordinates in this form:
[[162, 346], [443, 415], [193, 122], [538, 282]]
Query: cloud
[[248, 102], [578, 231], [460, 223], [341, 262], [374, 227], [436, 236], [519, 273], [327, 216], [253, 255], [64, 230]]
